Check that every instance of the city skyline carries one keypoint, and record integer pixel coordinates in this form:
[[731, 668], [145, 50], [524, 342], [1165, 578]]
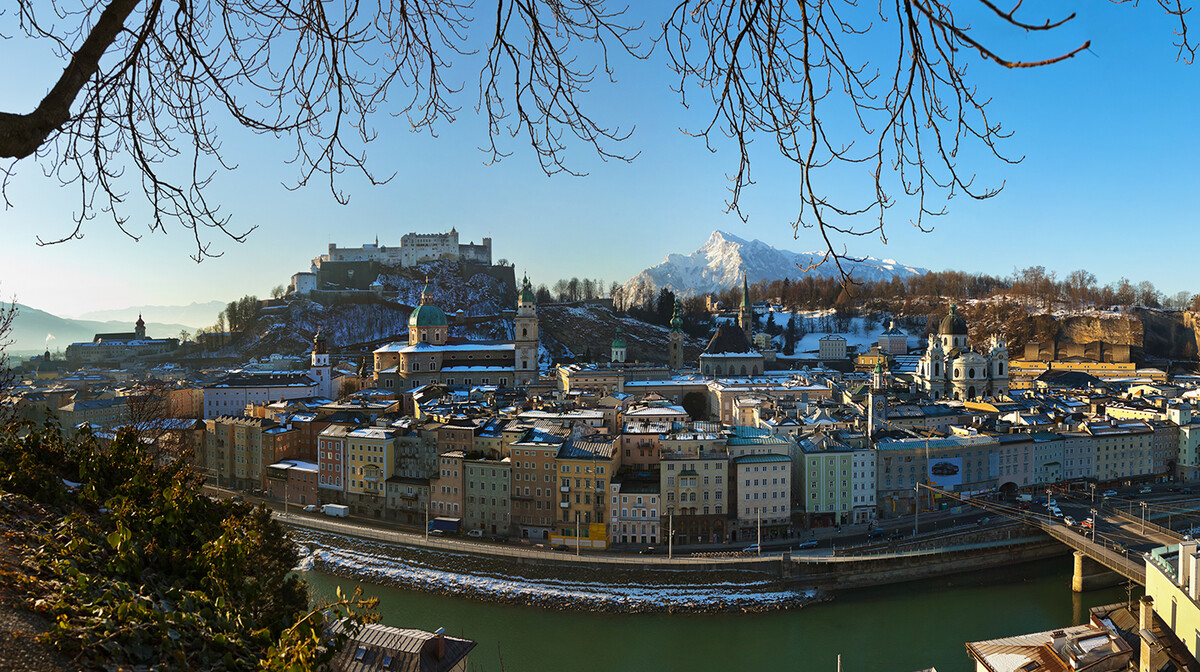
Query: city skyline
[[1103, 135]]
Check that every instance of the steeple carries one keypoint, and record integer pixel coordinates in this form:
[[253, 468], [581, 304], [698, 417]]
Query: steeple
[[746, 311], [139, 328], [675, 339], [427, 292]]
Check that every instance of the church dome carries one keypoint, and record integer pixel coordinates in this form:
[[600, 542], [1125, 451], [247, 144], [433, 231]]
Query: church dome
[[953, 325], [619, 341], [427, 316]]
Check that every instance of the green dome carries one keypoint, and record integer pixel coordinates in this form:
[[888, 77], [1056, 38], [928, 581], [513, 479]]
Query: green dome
[[676, 320], [427, 316], [619, 341]]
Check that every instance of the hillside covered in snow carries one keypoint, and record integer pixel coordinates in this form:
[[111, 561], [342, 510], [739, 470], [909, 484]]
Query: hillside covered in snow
[[718, 265]]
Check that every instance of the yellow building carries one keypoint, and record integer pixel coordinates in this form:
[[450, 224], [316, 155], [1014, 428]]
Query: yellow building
[[1173, 582], [370, 460], [584, 469]]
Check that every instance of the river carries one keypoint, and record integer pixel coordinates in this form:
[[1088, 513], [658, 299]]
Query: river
[[904, 627]]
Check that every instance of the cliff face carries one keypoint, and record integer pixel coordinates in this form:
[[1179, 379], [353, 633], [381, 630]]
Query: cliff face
[[1148, 333], [1170, 334], [1119, 329]]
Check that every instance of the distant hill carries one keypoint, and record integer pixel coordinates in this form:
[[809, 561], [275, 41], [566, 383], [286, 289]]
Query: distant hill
[[719, 263], [195, 315], [35, 330]]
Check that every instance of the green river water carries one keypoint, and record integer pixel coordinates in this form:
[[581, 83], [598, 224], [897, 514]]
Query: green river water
[[904, 627]]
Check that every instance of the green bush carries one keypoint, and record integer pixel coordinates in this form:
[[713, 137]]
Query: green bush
[[140, 569]]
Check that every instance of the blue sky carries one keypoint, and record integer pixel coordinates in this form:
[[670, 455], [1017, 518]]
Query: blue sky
[[1107, 184]]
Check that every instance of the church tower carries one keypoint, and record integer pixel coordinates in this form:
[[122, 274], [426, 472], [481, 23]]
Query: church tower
[[618, 348], [746, 310], [139, 328], [876, 402], [675, 339], [525, 332], [319, 369]]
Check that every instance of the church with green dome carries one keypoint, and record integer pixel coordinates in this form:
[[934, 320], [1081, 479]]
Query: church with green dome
[[952, 369], [431, 355]]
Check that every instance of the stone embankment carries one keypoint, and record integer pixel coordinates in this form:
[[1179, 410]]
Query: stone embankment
[[579, 587]]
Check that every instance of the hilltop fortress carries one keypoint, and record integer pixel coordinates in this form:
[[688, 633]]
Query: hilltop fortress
[[357, 269], [414, 248]]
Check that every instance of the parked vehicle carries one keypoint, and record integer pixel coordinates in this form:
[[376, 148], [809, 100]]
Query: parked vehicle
[[752, 548], [445, 525], [812, 543], [561, 547], [1109, 493], [336, 510], [477, 533], [1024, 498], [1056, 511], [1145, 489], [649, 550], [312, 508]]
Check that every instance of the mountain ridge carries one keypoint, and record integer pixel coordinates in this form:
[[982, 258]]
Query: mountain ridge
[[719, 262]]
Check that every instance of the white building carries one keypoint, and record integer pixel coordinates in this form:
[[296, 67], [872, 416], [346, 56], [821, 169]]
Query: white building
[[231, 395], [414, 248], [762, 495], [951, 369], [832, 346]]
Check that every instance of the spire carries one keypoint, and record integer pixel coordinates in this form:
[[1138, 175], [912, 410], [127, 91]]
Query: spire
[[677, 318], [427, 292], [745, 290]]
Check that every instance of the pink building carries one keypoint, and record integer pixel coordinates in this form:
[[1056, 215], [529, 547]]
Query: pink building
[[293, 481]]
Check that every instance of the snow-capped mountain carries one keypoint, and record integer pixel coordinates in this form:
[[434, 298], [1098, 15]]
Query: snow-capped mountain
[[718, 265]]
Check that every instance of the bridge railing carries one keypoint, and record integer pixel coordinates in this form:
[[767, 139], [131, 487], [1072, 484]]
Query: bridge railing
[[1104, 551], [1155, 527]]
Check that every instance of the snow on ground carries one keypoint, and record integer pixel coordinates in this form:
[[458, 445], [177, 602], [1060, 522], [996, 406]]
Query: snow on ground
[[600, 596]]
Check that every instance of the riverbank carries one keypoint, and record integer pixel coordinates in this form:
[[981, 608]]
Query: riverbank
[[575, 588]]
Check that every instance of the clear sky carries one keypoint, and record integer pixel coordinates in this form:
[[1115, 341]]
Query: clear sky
[[1108, 184]]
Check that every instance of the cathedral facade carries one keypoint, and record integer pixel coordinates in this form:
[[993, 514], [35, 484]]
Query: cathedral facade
[[952, 369]]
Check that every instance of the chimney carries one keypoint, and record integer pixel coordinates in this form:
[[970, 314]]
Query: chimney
[[439, 643], [1185, 550], [1193, 571], [1145, 626]]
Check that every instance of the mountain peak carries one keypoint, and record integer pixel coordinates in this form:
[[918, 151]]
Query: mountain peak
[[719, 263]]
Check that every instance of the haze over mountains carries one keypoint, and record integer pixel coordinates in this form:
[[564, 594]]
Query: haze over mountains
[[194, 315], [719, 263], [36, 330]]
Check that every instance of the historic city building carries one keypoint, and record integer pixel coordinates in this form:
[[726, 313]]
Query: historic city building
[[951, 369]]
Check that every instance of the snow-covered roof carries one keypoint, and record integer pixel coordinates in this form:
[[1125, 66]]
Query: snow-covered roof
[[477, 346]]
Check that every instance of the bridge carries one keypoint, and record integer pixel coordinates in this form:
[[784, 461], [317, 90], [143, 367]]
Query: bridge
[[1112, 546]]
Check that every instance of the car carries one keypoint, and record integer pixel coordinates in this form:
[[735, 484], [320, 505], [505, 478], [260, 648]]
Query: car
[[560, 547], [1087, 523], [1069, 521], [984, 521], [1145, 489], [311, 508], [1186, 491], [1057, 512], [752, 548], [435, 533], [875, 534], [238, 498], [1109, 493], [477, 533], [649, 550], [944, 469], [812, 543]]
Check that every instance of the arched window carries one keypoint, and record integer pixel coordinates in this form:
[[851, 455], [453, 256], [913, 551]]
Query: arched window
[[524, 332], [971, 372], [958, 373], [718, 370], [424, 336], [743, 369], [1001, 365]]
